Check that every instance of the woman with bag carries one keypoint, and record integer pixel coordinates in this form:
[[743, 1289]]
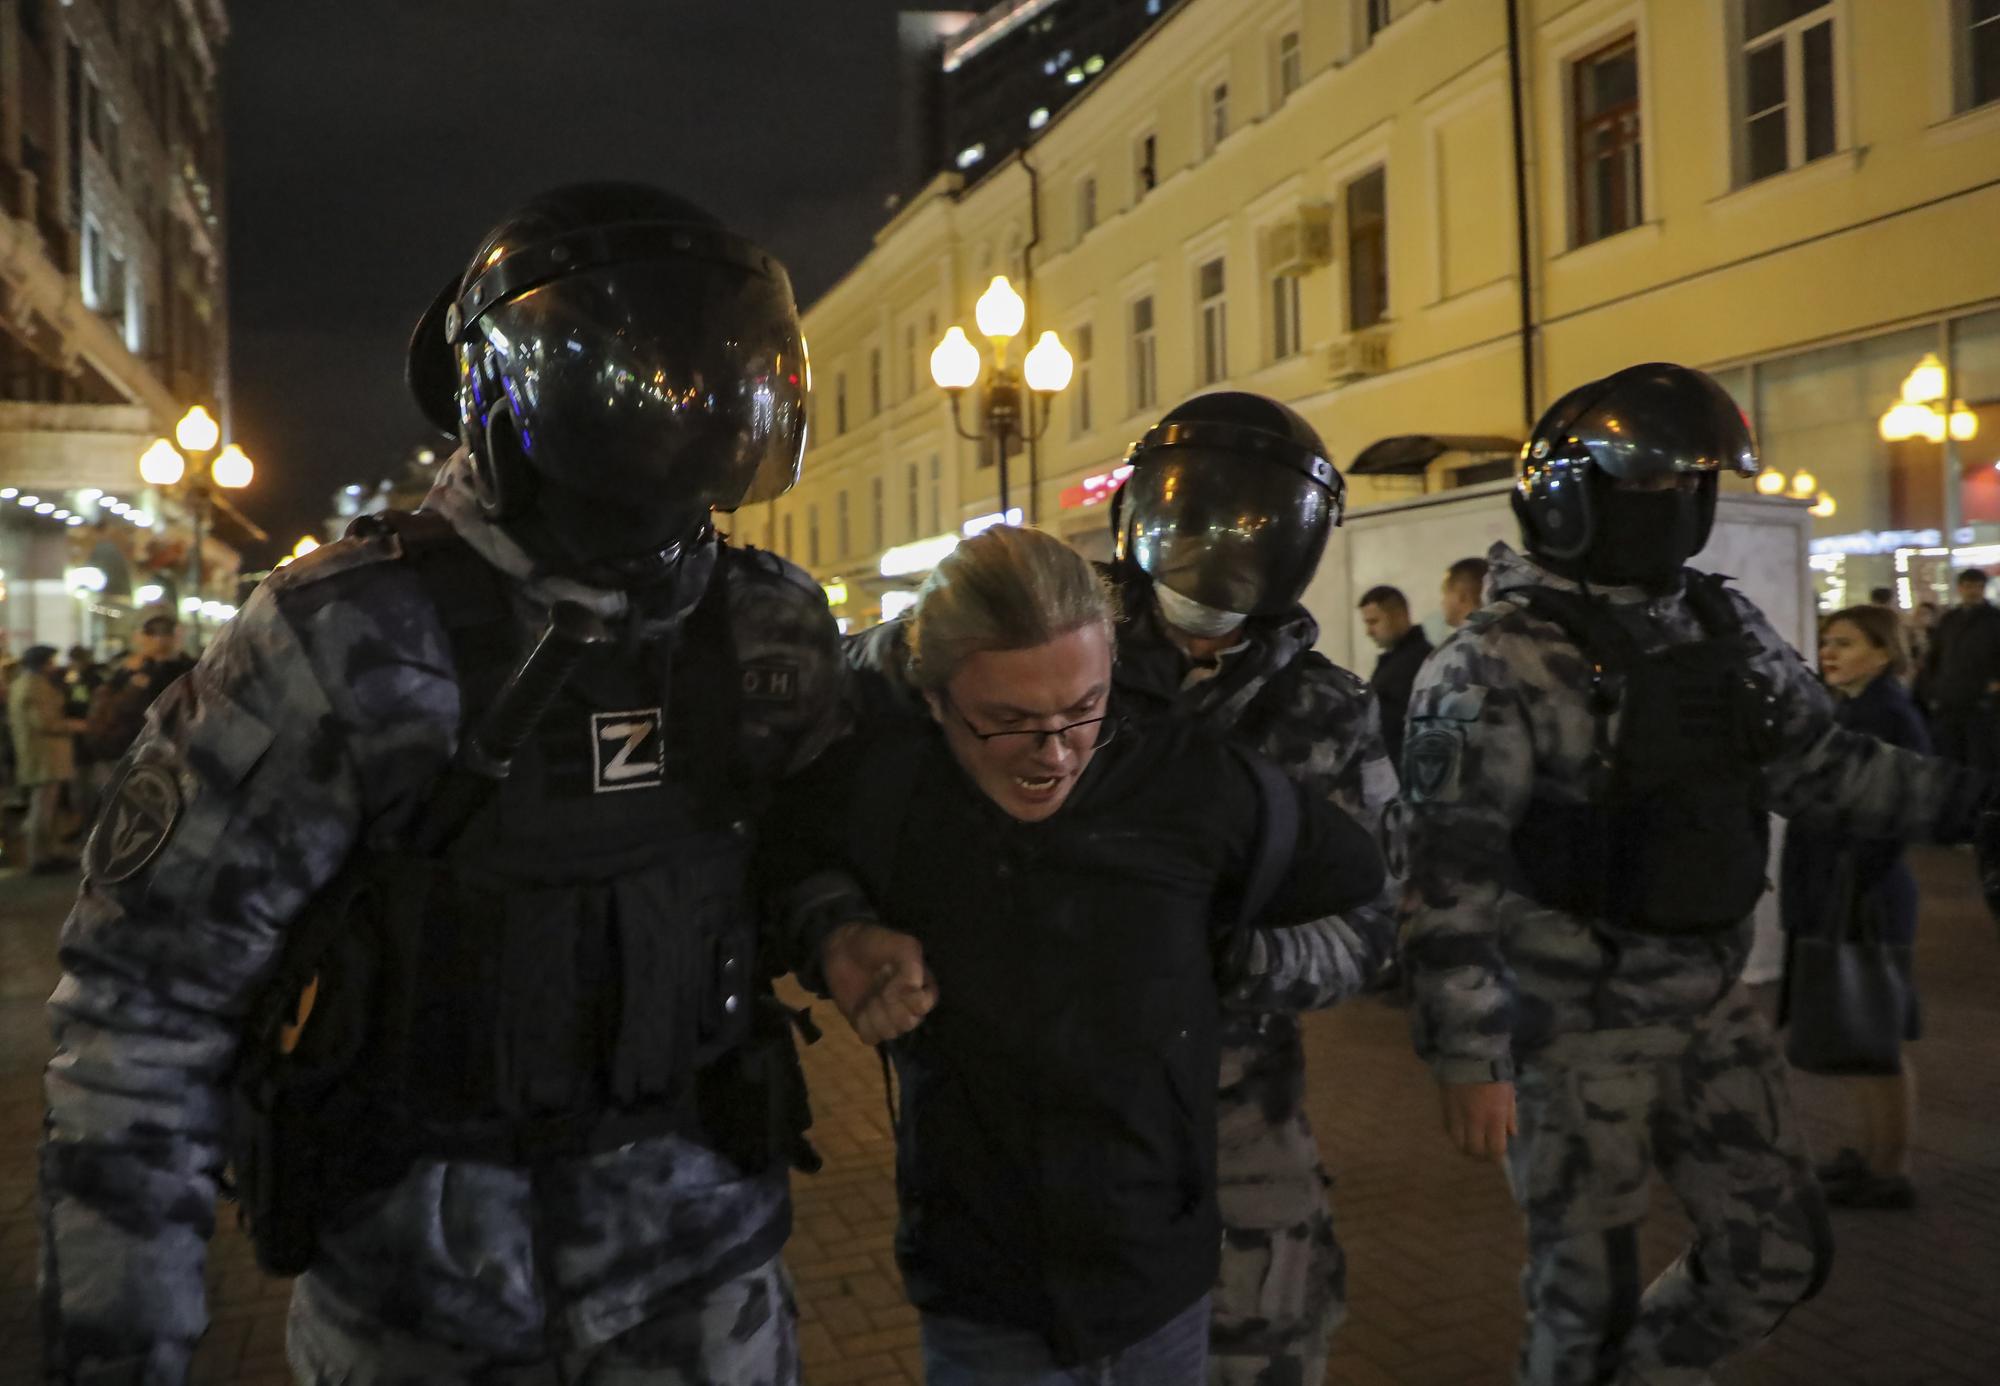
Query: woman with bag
[[1849, 907]]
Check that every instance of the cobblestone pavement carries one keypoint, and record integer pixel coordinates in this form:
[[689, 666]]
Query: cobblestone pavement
[[1433, 1241]]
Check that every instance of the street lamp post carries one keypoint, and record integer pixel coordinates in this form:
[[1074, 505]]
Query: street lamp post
[[179, 470], [1046, 371]]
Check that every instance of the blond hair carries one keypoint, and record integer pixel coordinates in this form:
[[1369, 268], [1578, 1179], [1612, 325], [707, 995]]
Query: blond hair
[[1007, 588]]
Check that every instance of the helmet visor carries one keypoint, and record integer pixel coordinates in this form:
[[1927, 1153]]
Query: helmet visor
[[1647, 424], [1237, 535], [651, 391]]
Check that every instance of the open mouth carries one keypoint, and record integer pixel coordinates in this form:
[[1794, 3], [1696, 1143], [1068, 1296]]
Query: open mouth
[[1041, 785]]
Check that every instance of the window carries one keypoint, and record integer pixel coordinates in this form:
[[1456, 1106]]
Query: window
[[1978, 52], [1145, 164], [937, 498], [1367, 251], [812, 538], [1079, 391], [1145, 364], [33, 22], [1605, 89], [875, 518], [1286, 295], [910, 361], [96, 267], [1291, 66], [93, 113], [1215, 120], [1787, 86], [874, 381], [791, 550], [910, 505], [1211, 291], [840, 404], [113, 146], [1086, 205], [1374, 18], [843, 538]]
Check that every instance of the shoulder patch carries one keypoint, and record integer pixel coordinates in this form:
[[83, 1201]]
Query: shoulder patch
[[1431, 759], [138, 818]]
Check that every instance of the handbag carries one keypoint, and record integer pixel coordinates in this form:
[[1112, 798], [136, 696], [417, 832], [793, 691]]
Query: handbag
[[1849, 992]]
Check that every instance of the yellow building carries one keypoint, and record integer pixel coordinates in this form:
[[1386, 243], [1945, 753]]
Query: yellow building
[[1319, 200]]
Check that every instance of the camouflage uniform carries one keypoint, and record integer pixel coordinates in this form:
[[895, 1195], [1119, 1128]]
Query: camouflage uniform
[[314, 725], [1629, 1051], [1282, 1289]]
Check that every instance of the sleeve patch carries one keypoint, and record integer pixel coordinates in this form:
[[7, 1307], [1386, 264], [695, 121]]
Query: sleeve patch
[[139, 817], [1432, 758]]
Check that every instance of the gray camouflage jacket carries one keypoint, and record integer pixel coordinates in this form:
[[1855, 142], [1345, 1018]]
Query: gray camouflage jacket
[[1500, 713], [315, 724]]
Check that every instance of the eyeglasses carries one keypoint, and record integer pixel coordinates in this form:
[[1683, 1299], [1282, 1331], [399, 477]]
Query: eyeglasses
[[1103, 730]]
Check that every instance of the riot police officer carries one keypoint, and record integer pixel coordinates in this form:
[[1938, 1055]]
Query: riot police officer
[[1218, 532], [1591, 762], [482, 1107]]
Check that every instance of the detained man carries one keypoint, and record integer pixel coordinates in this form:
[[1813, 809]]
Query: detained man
[[1067, 892]]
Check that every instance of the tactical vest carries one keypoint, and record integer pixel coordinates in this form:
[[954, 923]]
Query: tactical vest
[[553, 982], [1672, 835]]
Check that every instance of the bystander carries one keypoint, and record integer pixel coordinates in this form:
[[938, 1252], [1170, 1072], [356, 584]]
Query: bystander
[[1385, 614], [1464, 590], [44, 752], [1962, 675]]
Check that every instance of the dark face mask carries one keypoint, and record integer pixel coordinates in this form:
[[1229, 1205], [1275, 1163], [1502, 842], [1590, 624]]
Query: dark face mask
[[1643, 538]]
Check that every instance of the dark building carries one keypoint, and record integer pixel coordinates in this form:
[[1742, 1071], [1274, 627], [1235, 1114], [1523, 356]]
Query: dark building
[[994, 79]]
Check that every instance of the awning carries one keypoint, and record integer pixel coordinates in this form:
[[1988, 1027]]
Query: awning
[[1410, 453]]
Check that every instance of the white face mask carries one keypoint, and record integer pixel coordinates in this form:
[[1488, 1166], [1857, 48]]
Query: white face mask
[[1194, 618]]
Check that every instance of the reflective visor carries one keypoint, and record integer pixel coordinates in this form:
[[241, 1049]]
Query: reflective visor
[[1647, 423], [1238, 534], [648, 392]]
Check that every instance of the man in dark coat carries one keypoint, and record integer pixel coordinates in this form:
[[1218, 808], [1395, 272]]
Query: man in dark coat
[[1962, 673], [1385, 613]]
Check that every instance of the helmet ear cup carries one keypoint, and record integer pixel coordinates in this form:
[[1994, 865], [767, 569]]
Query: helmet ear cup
[[1558, 523], [501, 475], [431, 370]]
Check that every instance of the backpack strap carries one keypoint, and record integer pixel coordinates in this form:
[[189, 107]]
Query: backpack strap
[[1277, 838]]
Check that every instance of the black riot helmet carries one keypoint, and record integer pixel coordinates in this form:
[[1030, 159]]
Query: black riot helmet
[[618, 364], [1584, 496], [1229, 503]]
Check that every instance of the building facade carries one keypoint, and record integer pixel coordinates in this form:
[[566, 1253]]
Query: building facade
[[112, 303], [1419, 222]]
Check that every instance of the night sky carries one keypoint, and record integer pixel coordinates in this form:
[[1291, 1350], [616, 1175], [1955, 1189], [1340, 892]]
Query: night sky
[[373, 142]]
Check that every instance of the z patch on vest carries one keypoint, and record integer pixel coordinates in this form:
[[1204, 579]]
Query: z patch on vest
[[628, 751], [771, 681], [140, 818], [1430, 762]]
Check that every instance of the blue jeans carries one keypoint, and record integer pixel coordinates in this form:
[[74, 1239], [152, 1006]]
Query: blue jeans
[[960, 1352]]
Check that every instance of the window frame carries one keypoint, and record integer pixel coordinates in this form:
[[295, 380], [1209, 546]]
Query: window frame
[[1146, 170], [840, 404], [1142, 353], [1086, 204], [1577, 67], [1280, 91], [1212, 109], [1083, 350], [1211, 320], [1287, 317], [1789, 37], [1964, 23], [1348, 240]]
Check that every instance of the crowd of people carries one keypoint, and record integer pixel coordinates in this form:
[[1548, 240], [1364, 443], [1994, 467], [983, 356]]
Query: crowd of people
[[66, 725], [449, 887]]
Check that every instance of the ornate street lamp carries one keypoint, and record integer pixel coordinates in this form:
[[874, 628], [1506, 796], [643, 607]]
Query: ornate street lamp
[[1046, 370], [179, 470]]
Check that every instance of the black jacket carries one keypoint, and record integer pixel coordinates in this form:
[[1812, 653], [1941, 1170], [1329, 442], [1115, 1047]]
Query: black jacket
[[1395, 675], [1964, 658], [1056, 1147]]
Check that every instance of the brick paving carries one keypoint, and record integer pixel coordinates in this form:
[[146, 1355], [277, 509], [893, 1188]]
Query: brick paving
[[1433, 1242]]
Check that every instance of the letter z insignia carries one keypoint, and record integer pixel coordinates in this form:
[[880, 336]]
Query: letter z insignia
[[628, 751]]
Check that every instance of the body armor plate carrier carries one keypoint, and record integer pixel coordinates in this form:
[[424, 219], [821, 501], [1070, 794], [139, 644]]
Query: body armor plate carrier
[[571, 967], [1672, 836]]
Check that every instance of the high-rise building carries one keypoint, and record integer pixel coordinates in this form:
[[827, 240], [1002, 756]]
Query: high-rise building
[[113, 315], [998, 77]]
